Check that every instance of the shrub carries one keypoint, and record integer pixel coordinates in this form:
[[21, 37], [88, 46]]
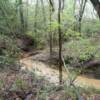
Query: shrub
[[9, 52], [81, 50]]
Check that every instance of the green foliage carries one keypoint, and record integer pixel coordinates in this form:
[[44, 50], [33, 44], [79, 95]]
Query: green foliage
[[82, 50], [20, 84], [9, 51], [1, 84], [91, 27], [9, 22], [70, 34], [39, 41], [53, 26]]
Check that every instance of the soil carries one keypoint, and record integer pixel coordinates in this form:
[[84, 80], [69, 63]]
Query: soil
[[39, 64]]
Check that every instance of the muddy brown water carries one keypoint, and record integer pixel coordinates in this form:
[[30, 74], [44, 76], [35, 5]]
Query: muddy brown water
[[52, 75]]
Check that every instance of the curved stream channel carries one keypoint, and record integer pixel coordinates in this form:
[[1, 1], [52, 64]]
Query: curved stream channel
[[43, 69]]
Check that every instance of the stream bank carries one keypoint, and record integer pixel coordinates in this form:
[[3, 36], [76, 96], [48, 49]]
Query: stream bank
[[41, 68]]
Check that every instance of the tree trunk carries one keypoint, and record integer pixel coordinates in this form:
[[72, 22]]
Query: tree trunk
[[96, 4], [52, 5], [26, 20], [60, 43], [43, 12], [63, 4], [35, 17], [81, 12], [21, 16], [50, 33]]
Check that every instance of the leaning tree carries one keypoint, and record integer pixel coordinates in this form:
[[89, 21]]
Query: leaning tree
[[96, 4]]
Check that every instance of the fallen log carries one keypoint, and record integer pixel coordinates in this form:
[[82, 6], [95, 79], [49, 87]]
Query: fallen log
[[94, 63], [87, 64]]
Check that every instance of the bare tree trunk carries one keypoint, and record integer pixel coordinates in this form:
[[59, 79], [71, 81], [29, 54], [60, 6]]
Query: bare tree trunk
[[21, 16], [26, 21], [74, 7], [60, 43], [50, 34], [51, 9], [63, 4], [16, 5], [96, 4], [52, 4], [43, 12], [35, 17], [81, 12]]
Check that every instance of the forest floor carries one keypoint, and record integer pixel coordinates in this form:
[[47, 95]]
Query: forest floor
[[38, 80], [39, 64]]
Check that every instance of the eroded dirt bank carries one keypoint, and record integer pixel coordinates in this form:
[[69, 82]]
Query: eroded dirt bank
[[43, 69]]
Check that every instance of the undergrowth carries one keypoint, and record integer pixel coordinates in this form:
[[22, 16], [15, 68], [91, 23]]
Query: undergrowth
[[28, 86]]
